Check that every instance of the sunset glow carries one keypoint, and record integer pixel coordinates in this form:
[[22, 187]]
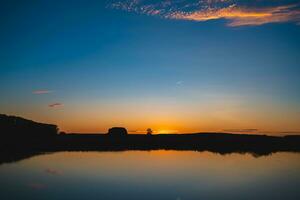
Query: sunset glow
[[150, 99], [172, 66]]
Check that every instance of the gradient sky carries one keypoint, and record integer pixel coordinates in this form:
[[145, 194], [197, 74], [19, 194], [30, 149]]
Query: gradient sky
[[174, 66]]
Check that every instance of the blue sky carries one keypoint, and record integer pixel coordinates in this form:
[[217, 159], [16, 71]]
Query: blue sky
[[124, 65]]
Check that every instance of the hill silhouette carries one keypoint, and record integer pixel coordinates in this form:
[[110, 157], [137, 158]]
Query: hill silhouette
[[23, 138], [17, 127]]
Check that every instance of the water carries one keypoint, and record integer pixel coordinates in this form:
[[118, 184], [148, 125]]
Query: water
[[143, 175]]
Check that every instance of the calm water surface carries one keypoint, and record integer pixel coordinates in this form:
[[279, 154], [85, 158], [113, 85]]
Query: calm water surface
[[174, 175]]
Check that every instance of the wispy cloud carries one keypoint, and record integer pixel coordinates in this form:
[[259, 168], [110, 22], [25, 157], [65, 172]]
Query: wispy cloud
[[41, 92], [239, 16], [179, 83], [53, 105], [236, 12], [246, 130], [290, 132]]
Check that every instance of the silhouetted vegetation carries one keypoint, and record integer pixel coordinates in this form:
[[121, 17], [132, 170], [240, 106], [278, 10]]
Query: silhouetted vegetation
[[17, 127], [44, 138], [117, 132], [149, 131]]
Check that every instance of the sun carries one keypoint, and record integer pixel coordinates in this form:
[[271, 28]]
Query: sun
[[166, 131]]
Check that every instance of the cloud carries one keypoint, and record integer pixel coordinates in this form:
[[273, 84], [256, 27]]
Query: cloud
[[236, 12], [290, 132], [52, 172], [41, 92], [238, 16], [247, 130], [179, 83], [53, 105]]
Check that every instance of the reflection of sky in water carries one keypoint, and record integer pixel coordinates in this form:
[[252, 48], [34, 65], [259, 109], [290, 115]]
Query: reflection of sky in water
[[151, 175]]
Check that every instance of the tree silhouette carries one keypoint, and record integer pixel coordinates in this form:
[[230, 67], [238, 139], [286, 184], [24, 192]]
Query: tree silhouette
[[149, 131]]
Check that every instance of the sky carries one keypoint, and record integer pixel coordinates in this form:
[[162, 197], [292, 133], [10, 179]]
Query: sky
[[174, 66]]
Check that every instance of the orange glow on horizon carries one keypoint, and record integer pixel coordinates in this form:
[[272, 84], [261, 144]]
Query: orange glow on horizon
[[219, 113], [166, 131]]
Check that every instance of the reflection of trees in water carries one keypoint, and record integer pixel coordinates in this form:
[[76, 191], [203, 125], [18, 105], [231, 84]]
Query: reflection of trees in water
[[10, 157], [216, 143]]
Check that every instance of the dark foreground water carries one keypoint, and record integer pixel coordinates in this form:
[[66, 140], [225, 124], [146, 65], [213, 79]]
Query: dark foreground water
[[143, 175]]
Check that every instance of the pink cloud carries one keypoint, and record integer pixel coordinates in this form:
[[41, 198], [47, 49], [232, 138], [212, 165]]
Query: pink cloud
[[239, 16], [236, 13], [53, 105], [41, 92]]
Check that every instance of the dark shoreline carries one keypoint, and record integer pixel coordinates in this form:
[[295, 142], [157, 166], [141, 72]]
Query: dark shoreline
[[222, 143]]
